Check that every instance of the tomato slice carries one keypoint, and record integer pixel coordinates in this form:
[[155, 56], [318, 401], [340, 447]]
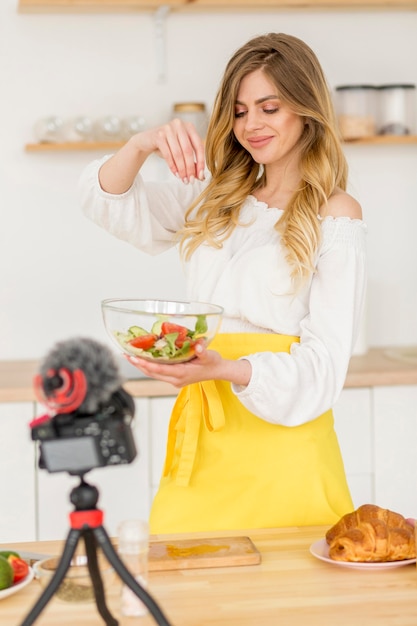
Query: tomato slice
[[20, 568], [169, 328], [143, 341]]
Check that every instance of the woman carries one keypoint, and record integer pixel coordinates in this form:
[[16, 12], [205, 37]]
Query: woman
[[266, 230]]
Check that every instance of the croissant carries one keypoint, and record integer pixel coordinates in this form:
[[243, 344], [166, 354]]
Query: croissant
[[371, 534]]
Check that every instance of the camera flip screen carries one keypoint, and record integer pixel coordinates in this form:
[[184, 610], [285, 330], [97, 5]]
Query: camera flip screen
[[73, 454]]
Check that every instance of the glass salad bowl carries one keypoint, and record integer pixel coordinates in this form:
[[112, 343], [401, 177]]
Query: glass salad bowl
[[160, 330]]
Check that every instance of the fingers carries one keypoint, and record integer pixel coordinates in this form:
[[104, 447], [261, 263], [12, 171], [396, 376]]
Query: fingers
[[165, 373], [201, 349], [177, 374], [137, 362], [182, 148]]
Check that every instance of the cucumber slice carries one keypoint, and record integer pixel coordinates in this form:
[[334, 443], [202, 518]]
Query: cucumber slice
[[137, 331]]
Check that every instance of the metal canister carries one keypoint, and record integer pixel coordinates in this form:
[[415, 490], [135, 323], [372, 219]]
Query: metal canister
[[397, 109], [356, 111], [194, 112]]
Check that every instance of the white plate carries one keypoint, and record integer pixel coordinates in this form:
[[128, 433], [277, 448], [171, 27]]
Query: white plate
[[320, 550], [15, 588]]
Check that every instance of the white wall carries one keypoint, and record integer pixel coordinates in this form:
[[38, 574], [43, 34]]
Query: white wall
[[55, 266]]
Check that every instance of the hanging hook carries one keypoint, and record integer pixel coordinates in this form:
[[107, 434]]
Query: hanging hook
[[159, 20]]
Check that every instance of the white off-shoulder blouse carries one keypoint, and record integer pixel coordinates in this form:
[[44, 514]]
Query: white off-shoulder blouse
[[250, 278]]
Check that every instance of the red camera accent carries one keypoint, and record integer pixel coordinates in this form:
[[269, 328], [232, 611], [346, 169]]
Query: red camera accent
[[69, 396], [91, 519], [37, 421]]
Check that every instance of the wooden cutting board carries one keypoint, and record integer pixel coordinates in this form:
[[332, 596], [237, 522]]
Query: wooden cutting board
[[202, 553]]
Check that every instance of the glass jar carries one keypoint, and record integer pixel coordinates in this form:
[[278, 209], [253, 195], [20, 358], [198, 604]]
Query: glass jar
[[194, 112], [356, 111], [397, 109], [133, 550], [79, 129], [133, 125], [108, 128], [49, 129]]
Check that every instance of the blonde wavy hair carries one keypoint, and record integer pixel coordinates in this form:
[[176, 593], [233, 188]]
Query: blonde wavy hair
[[295, 70]]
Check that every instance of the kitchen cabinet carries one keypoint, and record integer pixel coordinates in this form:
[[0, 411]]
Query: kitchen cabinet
[[17, 473], [135, 5], [353, 414], [36, 504], [159, 415], [375, 419], [377, 430], [395, 442], [124, 489]]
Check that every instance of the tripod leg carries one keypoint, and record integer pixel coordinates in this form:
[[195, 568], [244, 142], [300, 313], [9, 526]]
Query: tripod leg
[[57, 578], [104, 542], [90, 547]]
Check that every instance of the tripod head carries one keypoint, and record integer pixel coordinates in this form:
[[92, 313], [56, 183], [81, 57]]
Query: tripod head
[[84, 496]]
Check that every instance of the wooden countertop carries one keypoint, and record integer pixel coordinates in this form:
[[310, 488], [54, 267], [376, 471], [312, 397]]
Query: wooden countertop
[[289, 587], [377, 367]]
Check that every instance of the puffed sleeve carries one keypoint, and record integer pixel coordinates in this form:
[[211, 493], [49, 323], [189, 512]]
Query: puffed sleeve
[[291, 389], [147, 215]]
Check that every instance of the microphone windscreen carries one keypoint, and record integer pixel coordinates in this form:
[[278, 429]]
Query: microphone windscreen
[[95, 360]]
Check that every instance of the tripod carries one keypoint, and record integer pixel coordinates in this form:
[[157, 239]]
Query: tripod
[[86, 522]]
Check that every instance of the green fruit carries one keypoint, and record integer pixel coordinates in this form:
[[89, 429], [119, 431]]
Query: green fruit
[[6, 573], [7, 553]]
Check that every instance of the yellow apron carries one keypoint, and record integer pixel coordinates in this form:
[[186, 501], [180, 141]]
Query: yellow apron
[[226, 469]]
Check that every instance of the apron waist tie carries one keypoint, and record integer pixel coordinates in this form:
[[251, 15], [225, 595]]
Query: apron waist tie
[[200, 400]]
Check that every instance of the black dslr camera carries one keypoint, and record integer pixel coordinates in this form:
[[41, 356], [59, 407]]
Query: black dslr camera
[[77, 442]]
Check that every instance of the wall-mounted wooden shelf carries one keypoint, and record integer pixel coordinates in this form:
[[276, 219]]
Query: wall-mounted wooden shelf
[[115, 145], [384, 140], [98, 6], [138, 5], [73, 145]]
